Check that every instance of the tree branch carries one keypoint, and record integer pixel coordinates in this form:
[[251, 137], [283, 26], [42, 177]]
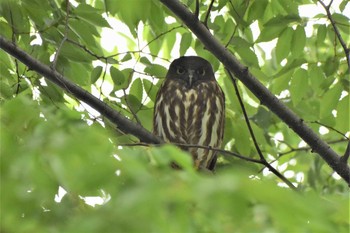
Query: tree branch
[[252, 135], [258, 89], [122, 123], [340, 38]]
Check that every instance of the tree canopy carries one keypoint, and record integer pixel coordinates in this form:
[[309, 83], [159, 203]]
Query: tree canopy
[[78, 84]]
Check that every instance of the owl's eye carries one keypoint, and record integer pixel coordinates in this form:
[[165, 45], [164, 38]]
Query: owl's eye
[[201, 72], [180, 70]]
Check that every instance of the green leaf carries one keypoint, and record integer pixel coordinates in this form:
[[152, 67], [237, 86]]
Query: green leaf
[[78, 72], [131, 12], [248, 56], [145, 61], [185, 43], [263, 118], [298, 41], [342, 5], [317, 77], [118, 78], [330, 100], [127, 57], [136, 89], [331, 66], [51, 93], [133, 103], [290, 66], [241, 136], [167, 154], [90, 15], [283, 46], [269, 33], [291, 8], [343, 22], [281, 82], [239, 42], [343, 110], [283, 20], [95, 74], [299, 86], [156, 70], [150, 89], [84, 31], [168, 43], [74, 53], [259, 74], [257, 9], [5, 91], [243, 48], [321, 34]]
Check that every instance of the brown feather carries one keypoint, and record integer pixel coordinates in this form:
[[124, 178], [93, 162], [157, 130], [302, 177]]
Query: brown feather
[[191, 115]]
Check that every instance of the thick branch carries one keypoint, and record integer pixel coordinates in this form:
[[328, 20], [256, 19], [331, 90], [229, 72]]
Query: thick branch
[[258, 89], [122, 123]]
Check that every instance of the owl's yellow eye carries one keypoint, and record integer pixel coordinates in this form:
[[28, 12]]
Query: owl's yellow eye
[[201, 72], [180, 70]]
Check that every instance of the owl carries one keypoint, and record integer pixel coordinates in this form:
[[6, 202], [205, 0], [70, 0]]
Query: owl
[[190, 109]]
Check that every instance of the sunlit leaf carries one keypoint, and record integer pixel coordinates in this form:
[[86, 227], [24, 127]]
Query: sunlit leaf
[[299, 86], [185, 43], [283, 46], [269, 33], [298, 41], [343, 112], [95, 74], [321, 33], [117, 76], [330, 100], [91, 15], [156, 70]]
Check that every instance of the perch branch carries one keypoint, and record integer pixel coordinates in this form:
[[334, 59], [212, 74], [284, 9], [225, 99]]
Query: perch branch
[[123, 124], [258, 89]]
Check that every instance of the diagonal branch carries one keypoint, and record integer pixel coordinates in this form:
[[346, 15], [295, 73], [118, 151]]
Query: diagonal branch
[[336, 30], [258, 89], [122, 123], [252, 135]]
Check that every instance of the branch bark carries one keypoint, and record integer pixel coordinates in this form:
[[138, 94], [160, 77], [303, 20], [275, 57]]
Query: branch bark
[[122, 123], [258, 89]]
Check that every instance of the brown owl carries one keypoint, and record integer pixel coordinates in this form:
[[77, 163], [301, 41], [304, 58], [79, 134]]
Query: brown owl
[[190, 109]]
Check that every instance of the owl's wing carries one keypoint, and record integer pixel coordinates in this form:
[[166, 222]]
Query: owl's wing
[[167, 122]]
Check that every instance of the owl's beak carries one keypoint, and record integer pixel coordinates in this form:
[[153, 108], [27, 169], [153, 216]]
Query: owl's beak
[[190, 77]]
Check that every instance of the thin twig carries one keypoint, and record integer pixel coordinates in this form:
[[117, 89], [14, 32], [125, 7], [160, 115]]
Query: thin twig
[[330, 127], [196, 11], [258, 161], [130, 107], [16, 62], [346, 155], [232, 35], [306, 148], [262, 158], [160, 35], [336, 30], [200, 147], [208, 13], [246, 116], [65, 37]]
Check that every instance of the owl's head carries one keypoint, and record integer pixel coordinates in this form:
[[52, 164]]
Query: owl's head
[[191, 70]]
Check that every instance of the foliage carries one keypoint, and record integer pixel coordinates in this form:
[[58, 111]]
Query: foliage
[[146, 196], [49, 139]]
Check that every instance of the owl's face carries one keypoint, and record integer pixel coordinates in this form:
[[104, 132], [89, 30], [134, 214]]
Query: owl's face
[[191, 71]]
